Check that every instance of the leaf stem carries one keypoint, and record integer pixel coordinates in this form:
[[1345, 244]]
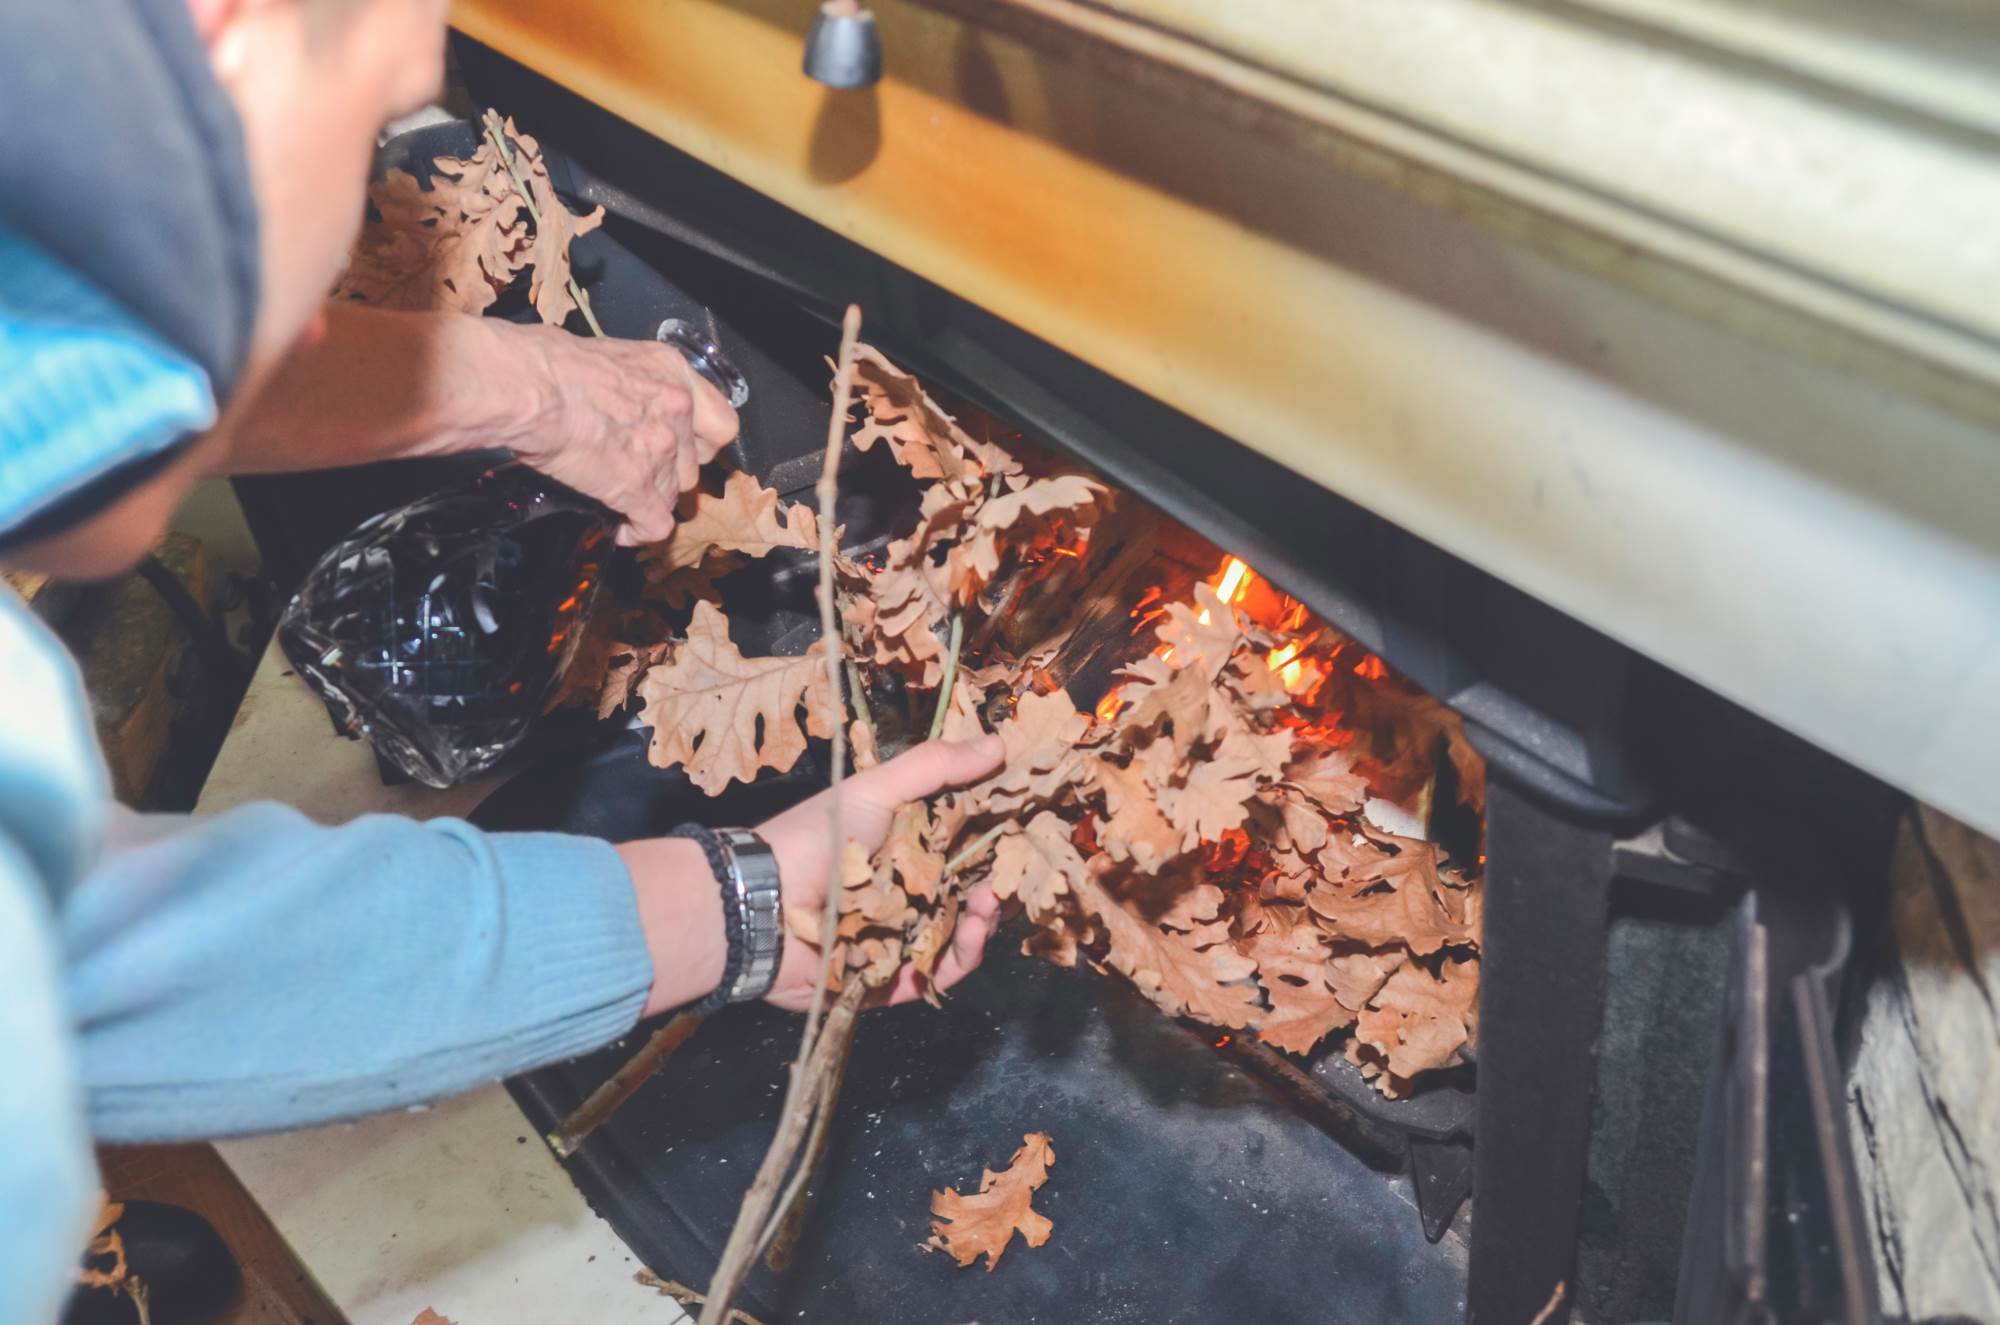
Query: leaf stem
[[950, 675], [979, 844]]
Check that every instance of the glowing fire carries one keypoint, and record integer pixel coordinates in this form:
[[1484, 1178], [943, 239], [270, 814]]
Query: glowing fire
[[1299, 672]]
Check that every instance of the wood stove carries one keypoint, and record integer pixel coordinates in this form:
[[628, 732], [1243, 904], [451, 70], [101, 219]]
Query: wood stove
[[1675, 887]]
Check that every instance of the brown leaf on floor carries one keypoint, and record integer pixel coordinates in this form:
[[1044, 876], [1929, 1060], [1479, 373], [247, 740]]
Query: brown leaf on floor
[[430, 1317], [725, 717], [968, 1227]]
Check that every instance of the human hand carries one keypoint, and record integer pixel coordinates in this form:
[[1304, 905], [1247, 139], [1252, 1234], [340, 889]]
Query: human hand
[[625, 421], [869, 801]]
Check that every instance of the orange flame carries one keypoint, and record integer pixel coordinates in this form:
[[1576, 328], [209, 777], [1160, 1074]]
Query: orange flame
[[1107, 707]]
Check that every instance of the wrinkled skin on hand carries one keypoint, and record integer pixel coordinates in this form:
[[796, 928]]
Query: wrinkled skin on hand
[[625, 421]]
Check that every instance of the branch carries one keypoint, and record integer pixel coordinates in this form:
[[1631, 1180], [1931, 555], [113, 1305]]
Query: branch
[[746, 1238], [687, 1297], [828, 491], [805, 1092], [594, 1112]]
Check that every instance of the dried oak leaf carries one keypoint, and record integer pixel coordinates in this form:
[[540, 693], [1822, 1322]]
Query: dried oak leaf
[[1132, 827], [1042, 757], [1171, 969], [975, 560], [451, 248], [1356, 977], [1204, 637], [726, 717], [430, 1317], [454, 246], [1405, 903], [743, 518], [1037, 862], [874, 897], [921, 436], [968, 1227], [1418, 1021], [1213, 794], [1292, 967], [961, 716], [1326, 777], [1181, 702], [933, 936], [548, 253]]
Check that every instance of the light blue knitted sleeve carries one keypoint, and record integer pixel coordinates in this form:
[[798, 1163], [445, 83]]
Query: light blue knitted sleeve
[[256, 970]]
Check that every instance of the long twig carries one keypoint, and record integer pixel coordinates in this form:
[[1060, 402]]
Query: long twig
[[789, 1214], [689, 1297], [803, 1092], [594, 1112], [496, 132], [950, 675], [746, 1239], [828, 491]]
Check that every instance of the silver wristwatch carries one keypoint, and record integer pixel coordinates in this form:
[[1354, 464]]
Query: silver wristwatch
[[752, 888]]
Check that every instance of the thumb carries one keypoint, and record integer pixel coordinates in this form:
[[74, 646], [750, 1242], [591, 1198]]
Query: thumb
[[927, 770]]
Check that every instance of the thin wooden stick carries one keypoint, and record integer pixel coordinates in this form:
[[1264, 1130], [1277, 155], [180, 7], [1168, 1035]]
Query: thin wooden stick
[[746, 1238], [828, 491], [950, 675], [782, 1232], [594, 1112], [688, 1297], [802, 1093]]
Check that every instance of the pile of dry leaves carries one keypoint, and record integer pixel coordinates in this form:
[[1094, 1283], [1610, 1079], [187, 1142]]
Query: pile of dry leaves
[[1204, 831]]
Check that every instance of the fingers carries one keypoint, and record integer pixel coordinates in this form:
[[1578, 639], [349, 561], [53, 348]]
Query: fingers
[[976, 924], [927, 770], [714, 423]]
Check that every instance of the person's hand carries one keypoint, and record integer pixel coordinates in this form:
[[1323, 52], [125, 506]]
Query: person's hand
[[868, 802], [625, 421], [680, 902]]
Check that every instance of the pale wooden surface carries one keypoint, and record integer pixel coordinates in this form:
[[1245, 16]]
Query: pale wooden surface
[[458, 1207], [1926, 1088]]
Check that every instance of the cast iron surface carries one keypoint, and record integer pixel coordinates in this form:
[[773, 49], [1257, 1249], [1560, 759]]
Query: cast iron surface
[[1181, 1191]]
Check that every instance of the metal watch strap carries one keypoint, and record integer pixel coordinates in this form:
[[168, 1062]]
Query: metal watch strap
[[754, 869], [752, 917]]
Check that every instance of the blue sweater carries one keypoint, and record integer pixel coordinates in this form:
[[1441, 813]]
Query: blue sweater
[[163, 978]]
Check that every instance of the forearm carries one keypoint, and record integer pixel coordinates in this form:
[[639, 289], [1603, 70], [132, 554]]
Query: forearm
[[387, 385], [256, 971]]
